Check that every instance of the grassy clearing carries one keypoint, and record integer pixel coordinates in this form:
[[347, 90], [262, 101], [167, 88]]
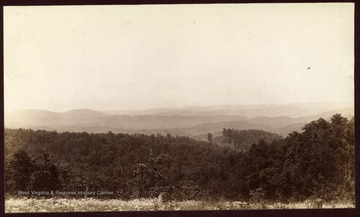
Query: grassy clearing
[[18, 205]]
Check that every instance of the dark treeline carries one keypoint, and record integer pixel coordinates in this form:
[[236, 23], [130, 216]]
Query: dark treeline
[[318, 162]]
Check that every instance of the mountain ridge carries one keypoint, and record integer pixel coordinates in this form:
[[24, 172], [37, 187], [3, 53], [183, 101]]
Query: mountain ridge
[[178, 123]]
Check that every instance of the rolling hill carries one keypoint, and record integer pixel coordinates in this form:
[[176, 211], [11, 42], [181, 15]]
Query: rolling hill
[[194, 122]]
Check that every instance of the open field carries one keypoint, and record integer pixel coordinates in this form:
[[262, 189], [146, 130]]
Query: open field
[[18, 205]]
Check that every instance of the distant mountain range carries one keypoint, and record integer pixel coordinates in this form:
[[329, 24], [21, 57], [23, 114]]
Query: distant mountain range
[[194, 122], [249, 111]]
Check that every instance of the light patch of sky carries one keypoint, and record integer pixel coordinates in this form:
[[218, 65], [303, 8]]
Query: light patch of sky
[[141, 56]]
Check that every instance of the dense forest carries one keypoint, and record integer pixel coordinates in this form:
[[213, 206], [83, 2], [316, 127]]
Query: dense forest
[[317, 162]]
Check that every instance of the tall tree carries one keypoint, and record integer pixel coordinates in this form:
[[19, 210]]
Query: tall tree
[[210, 137], [18, 171]]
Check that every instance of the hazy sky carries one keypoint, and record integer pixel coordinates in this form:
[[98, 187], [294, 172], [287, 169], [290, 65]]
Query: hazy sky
[[142, 56]]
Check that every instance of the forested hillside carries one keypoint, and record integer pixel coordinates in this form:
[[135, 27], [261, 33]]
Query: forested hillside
[[243, 139], [318, 162]]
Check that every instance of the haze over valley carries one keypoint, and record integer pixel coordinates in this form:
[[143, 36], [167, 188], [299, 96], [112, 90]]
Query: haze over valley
[[194, 122]]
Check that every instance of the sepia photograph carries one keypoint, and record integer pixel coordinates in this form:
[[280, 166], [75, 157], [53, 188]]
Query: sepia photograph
[[179, 107]]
